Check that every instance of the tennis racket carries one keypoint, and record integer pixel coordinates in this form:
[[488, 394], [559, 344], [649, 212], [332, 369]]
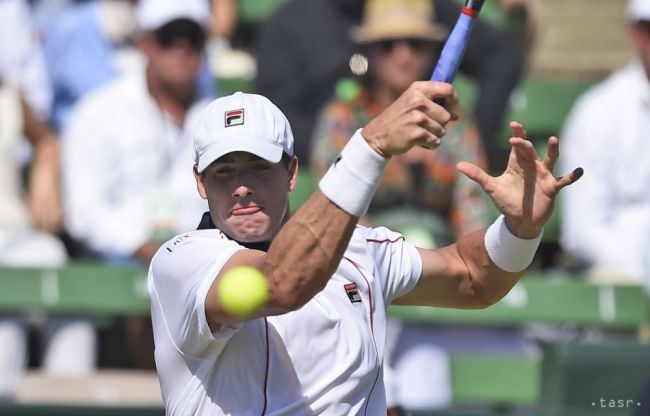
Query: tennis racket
[[454, 49]]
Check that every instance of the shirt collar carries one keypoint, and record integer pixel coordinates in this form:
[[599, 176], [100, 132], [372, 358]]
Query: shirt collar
[[207, 224]]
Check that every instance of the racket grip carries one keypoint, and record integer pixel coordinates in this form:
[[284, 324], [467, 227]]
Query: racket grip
[[454, 49]]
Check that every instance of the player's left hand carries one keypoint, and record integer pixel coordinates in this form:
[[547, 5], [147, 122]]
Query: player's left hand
[[525, 192]]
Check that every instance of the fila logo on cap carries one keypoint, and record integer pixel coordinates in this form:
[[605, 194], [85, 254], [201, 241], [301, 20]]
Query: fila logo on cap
[[234, 118], [352, 292]]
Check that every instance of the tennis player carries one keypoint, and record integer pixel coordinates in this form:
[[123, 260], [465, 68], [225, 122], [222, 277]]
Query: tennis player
[[317, 345]]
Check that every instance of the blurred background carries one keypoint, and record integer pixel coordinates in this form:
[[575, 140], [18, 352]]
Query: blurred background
[[97, 99]]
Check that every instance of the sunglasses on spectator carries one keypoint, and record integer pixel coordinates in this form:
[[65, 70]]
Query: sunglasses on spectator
[[183, 29], [417, 45]]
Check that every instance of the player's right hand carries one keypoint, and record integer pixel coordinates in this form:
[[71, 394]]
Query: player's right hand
[[413, 119]]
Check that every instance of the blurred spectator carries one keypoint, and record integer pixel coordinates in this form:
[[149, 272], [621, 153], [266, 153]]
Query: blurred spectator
[[421, 190], [127, 156], [519, 20], [127, 152], [89, 43], [27, 223], [224, 18], [305, 50], [606, 218], [421, 195], [21, 56], [27, 220], [229, 59]]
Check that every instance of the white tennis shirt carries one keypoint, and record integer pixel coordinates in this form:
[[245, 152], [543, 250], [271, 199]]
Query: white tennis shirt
[[325, 358]]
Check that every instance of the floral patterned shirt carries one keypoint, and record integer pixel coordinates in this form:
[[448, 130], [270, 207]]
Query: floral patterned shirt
[[419, 179]]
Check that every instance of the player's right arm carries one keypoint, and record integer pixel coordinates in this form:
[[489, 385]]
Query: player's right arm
[[309, 247]]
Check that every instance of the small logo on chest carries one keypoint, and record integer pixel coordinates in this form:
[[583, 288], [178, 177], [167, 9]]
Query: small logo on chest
[[353, 292]]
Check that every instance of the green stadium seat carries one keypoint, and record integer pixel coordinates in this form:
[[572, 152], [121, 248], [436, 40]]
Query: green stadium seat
[[604, 378], [254, 11], [304, 188], [542, 106], [21, 409], [229, 86], [497, 380]]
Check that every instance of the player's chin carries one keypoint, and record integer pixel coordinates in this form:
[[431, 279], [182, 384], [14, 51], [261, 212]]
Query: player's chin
[[253, 229]]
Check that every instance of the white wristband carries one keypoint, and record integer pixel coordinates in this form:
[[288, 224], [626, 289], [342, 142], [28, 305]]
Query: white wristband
[[509, 252], [352, 180]]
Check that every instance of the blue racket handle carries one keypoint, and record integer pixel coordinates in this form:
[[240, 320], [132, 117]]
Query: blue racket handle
[[454, 48]]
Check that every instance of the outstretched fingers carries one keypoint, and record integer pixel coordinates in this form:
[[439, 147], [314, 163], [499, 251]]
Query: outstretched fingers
[[552, 154], [520, 143], [475, 173], [568, 179], [518, 130], [524, 148]]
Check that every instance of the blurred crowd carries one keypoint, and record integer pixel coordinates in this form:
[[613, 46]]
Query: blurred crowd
[[98, 100]]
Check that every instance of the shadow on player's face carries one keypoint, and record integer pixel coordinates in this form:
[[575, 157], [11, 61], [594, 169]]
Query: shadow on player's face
[[247, 195]]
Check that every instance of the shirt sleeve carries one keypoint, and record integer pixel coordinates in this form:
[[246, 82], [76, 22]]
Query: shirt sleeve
[[399, 264], [180, 276]]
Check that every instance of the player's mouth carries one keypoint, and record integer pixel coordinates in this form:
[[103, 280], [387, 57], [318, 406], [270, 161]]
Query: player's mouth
[[250, 210]]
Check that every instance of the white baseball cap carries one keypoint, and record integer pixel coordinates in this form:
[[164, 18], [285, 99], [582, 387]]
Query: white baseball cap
[[153, 14], [241, 123], [638, 10]]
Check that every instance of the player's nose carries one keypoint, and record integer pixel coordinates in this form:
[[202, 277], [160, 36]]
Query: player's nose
[[242, 191]]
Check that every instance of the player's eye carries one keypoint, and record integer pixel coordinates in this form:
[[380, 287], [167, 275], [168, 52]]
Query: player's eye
[[223, 171], [261, 166]]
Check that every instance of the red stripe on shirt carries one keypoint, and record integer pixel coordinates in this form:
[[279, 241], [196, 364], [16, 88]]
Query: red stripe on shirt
[[370, 240]]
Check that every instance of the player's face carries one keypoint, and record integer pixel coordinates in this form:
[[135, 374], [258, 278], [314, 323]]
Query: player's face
[[247, 195], [396, 63], [175, 52]]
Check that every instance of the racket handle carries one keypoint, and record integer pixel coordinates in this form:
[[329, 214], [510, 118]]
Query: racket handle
[[454, 49]]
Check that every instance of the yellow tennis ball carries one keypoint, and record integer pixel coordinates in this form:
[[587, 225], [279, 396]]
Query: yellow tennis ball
[[243, 290]]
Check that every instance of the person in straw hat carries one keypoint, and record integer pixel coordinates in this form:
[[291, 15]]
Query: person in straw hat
[[400, 42]]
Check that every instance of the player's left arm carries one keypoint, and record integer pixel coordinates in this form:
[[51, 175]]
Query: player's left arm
[[464, 274]]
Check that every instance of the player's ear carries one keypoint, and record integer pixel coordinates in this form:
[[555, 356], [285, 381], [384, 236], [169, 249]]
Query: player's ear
[[293, 173], [200, 186]]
